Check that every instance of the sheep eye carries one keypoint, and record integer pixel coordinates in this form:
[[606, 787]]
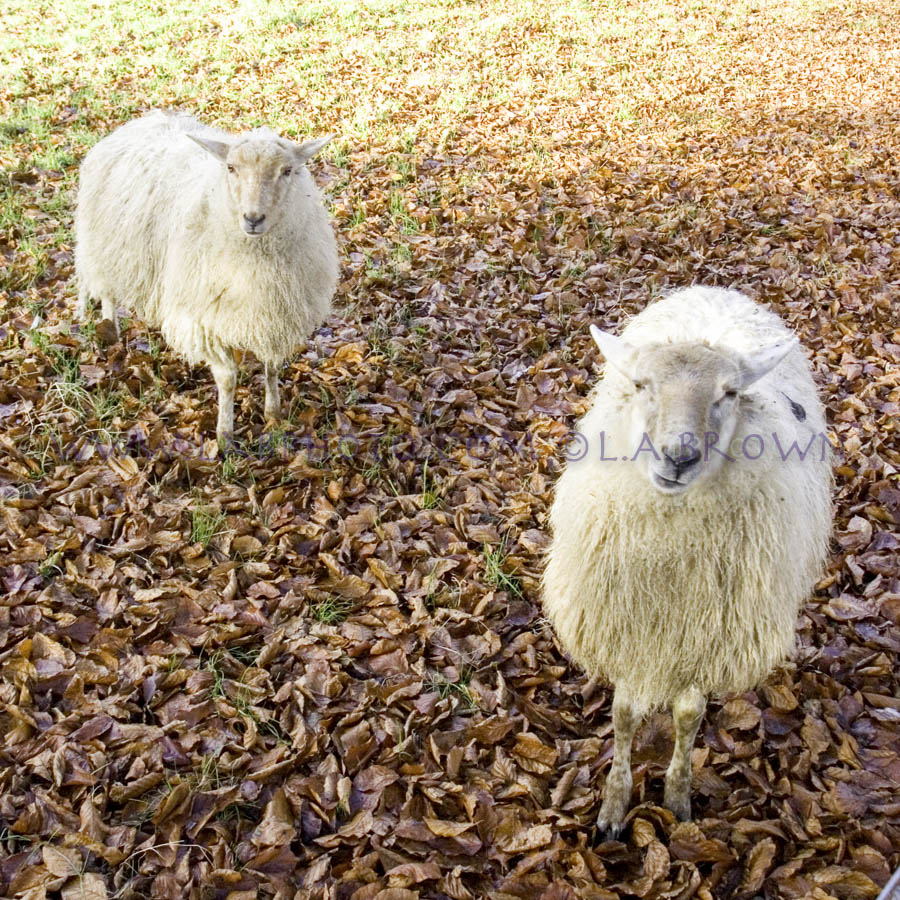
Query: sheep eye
[[640, 385], [286, 172], [730, 394], [230, 169]]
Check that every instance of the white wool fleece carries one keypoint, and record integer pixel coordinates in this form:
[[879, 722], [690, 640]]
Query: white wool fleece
[[153, 232], [659, 593]]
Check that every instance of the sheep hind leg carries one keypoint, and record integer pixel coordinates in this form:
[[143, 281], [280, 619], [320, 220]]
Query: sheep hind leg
[[273, 400], [225, 373], [617, 792], [687, 712], [82, 304]]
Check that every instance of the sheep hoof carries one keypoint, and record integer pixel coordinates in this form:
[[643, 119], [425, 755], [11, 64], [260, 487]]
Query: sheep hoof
[[612, 814], [107, 332], [680, 805], [225, 440], [609, 830]]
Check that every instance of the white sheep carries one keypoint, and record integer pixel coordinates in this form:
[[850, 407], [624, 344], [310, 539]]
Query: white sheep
[[676, 572], [220, 241]]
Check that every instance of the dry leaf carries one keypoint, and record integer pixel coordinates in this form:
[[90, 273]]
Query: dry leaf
[[315, 661], [89, 886]]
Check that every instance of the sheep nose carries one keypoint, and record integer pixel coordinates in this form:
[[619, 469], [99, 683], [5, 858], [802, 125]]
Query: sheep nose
[[252, 219], [682, 458]]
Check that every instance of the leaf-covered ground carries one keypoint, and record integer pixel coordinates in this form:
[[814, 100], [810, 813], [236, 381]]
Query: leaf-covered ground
[[317, 667]]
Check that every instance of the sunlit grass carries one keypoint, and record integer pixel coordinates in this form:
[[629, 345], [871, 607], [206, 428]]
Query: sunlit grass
[[396, 82]]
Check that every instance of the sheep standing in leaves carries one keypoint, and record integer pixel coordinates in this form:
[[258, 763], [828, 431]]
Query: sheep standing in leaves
[[697, 522], [221, 241]]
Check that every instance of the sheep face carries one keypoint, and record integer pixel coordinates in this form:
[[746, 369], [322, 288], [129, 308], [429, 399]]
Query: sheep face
[[259, 179], [684, 396], [260, 175], [684, 405]]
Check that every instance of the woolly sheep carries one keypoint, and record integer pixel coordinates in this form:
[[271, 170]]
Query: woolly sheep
[[220, 241], [676, 572]]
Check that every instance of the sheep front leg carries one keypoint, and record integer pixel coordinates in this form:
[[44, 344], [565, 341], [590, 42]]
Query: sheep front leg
[[273, 401], [617, 792], [687, 712], [224, 371], [108, 306]]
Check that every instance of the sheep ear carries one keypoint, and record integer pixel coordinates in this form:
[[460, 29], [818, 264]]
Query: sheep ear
[[761, 362], [219, 149], [308, 149], [615, 351]]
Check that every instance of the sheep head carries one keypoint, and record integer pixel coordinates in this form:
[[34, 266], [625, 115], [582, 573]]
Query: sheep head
[[260, 173], [684, 404]]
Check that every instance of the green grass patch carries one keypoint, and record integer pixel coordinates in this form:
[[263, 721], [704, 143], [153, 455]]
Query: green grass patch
[[430, 496], [460, 688], [331, 610], [495, 570], [51, 567], [206, 523]]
